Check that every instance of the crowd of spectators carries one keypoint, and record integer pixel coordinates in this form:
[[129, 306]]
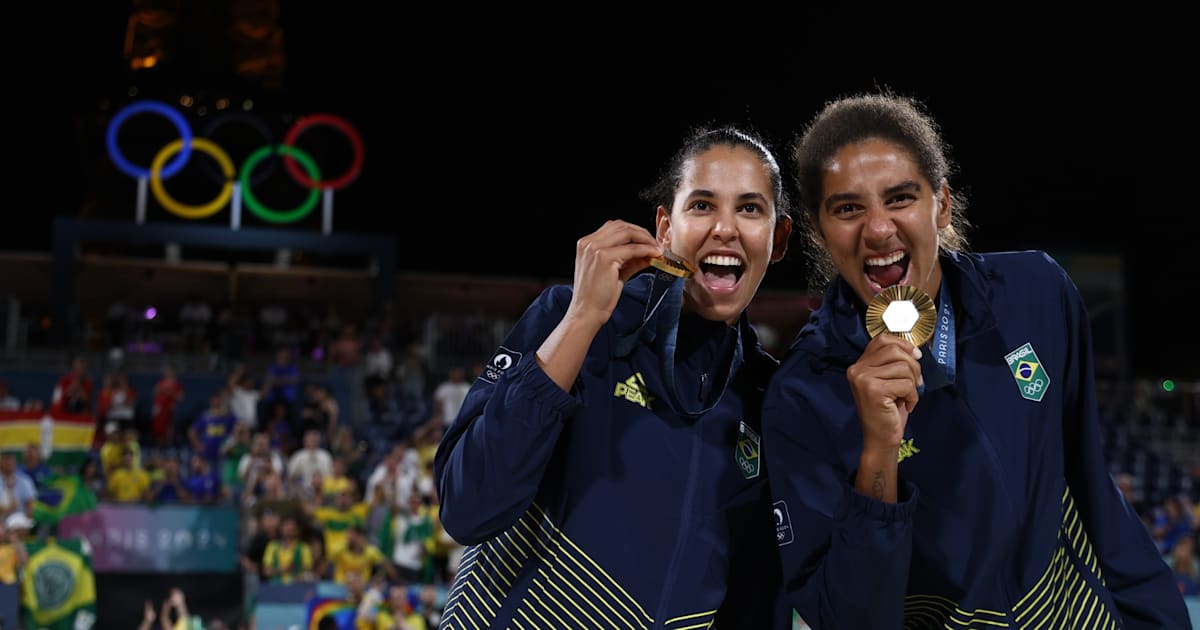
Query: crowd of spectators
[[322, 496]]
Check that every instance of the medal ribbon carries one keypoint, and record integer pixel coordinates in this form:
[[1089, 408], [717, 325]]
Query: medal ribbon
[[667, 295], [938, 360], [668, 333]]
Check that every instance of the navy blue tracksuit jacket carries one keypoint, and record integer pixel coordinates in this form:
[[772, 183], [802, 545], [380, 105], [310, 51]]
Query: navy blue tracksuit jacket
[[618, 504], [1008, 516]]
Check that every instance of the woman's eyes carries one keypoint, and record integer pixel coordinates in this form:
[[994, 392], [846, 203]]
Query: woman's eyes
[[704, 206], [897, 201]]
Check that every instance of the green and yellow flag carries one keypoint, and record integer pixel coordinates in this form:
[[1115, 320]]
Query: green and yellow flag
[[58, 588], [62, 496]]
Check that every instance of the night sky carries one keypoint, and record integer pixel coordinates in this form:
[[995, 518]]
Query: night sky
[[493, 144]]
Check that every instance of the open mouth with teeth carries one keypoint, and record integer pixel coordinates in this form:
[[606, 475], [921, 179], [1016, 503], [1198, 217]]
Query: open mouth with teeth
[[721, 272], [885, 271]]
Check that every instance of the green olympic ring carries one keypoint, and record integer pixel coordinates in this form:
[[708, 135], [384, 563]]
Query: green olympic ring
[[270, 214]]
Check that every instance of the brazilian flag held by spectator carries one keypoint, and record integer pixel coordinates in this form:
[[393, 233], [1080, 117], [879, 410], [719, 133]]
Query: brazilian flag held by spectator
[[58, 588], [62, 495], [329, 612]]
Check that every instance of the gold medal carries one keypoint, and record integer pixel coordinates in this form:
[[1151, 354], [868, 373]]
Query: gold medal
[[673, 264], [903, 311]]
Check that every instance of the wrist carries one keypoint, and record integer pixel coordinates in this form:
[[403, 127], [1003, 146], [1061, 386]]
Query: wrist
[[879, 458], [584, 321]]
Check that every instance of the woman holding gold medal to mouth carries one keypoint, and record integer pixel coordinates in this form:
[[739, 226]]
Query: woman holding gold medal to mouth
[[933, 433], [605, 468]]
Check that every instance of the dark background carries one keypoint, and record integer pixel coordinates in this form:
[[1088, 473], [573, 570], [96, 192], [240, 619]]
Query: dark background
[[494, 140]]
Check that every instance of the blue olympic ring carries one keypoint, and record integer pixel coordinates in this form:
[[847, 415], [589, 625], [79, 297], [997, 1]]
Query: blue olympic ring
[[164, 110]]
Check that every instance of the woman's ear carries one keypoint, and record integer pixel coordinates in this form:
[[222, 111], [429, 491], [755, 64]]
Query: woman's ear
[[945, 210], [783, 234], [662, 227]]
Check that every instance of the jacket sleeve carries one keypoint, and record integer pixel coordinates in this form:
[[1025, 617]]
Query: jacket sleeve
[[491, 460], [845, 556], [1132, 569]]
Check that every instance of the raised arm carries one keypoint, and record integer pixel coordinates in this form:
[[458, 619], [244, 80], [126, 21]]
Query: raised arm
[[492, 458], [845, 552]]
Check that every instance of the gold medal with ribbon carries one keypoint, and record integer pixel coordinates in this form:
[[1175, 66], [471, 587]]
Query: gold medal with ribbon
[[904, 311]]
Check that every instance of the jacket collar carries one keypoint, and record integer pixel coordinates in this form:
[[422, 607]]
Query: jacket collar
[[836, 334], [636, 321]]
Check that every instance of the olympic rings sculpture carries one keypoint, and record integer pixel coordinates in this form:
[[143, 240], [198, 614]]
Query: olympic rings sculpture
[[172, 158]]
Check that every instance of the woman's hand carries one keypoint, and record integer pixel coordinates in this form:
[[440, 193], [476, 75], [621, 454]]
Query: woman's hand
[[604, 260]]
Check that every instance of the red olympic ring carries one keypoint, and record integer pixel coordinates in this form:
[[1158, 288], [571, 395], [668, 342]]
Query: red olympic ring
[[305, 122]]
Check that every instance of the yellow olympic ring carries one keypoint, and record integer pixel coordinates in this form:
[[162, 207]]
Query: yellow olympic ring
[[184, 210]]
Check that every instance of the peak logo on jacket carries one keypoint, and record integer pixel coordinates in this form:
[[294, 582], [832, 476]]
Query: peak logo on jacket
[[634, 390], [1026, 367]]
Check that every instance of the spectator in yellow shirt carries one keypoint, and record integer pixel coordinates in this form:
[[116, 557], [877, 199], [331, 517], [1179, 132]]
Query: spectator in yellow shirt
[[12, 546], [359, 557], [128, 483], [394, 613], [288, 559], [337, 482], [116, 442], [336, 520]]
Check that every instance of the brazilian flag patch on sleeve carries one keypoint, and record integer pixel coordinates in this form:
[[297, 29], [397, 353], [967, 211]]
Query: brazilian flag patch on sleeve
[[747, 450]]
